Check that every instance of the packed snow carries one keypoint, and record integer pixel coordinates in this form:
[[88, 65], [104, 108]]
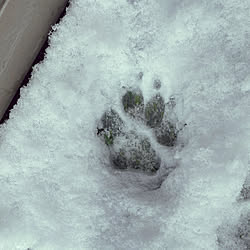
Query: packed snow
[[58, 188]]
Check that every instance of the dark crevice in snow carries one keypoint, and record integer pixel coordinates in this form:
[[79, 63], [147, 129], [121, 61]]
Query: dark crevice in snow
[[38, 59]]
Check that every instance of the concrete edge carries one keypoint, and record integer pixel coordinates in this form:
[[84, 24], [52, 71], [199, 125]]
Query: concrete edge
[[24, 27]]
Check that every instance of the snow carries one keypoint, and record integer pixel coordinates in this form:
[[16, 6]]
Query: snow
[[57, 187]]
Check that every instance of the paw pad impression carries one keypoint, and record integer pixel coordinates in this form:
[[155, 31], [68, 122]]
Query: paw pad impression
[[130, 150]]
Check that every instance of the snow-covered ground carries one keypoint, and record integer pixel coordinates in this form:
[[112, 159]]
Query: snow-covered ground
[[57, 187]]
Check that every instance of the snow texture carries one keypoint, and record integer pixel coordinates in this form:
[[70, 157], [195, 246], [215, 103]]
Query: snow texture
[[57, 186]]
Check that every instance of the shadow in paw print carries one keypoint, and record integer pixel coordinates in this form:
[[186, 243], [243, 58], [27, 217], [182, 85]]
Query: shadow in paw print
[[166, 134], [135, 152], [130, 150], [154, 111], [243, 230], [133, 103], [235, 236]]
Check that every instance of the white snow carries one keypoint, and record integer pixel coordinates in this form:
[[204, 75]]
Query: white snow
[[57, 187]]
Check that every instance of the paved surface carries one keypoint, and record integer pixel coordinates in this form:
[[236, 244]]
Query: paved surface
[[24, 25]]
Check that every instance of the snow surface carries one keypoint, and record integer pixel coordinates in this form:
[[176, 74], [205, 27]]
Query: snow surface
[[57, 187]]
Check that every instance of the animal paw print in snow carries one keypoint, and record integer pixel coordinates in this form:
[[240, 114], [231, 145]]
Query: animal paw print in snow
[[129, 149]]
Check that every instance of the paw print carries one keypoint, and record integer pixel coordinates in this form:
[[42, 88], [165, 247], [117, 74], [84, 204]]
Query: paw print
[[129, 149]]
